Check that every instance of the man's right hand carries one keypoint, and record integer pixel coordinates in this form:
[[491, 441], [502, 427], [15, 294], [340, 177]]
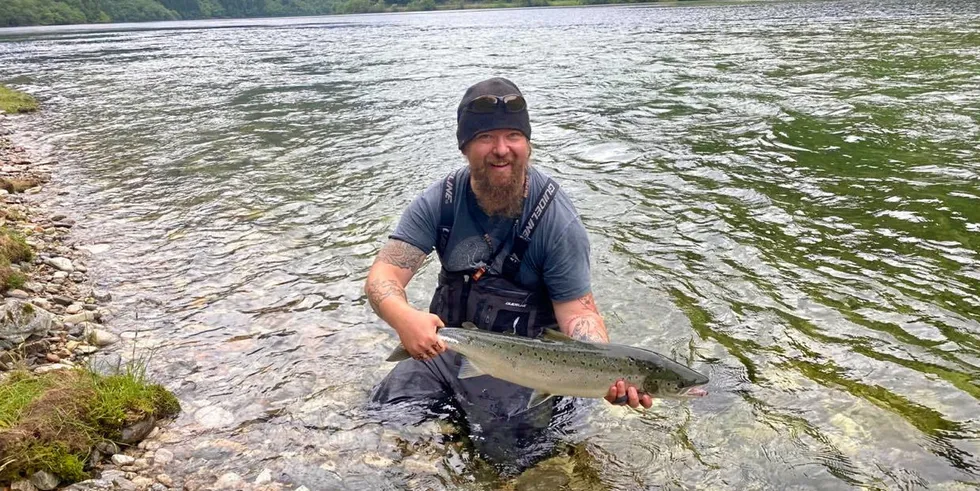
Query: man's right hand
[[417, 331]]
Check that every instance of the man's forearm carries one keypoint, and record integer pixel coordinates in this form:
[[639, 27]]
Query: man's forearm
[[380, 289], [587, 327], [394, 267]]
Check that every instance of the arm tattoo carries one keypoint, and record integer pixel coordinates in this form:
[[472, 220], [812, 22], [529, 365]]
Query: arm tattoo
[[379, 290], [588, 302], [402, 255], [586, 328]]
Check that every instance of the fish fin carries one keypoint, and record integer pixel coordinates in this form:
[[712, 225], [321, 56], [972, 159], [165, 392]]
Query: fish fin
[[469, 370], [469, 325], [537, 397], [399, 354]]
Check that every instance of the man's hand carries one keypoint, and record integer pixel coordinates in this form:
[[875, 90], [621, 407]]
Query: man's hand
[[622, 392], [417, 331]]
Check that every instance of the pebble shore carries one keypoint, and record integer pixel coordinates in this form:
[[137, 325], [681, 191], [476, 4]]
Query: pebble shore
[[65, 325]]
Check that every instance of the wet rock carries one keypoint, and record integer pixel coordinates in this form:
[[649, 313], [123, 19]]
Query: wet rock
[[77, 277], [101, 338], [62, 300], [214, 417], [165, 480], [77, 330], [375, 460], [158, 487], [87, 349], [33, 287], [107, 447], [93, 459], [110, 480], [142, 482], [137, 432], [163, 457], [18, 294], [101, 296], [264, 477], [60, 263], [45, 481], [229, 481], [122, 459], [22, 485], [84, 316], [41, 303], [59, 276], [19, 320], [73, 308], [52, 358], [39, 347], [52, 368], [105, 364]]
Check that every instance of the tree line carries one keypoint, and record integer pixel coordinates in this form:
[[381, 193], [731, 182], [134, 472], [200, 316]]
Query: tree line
[[48, 12]]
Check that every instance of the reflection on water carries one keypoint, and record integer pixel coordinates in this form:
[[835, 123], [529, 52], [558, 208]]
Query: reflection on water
[[784, 195]]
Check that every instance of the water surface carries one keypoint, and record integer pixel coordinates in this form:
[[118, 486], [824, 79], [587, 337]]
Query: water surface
[[784, 195]]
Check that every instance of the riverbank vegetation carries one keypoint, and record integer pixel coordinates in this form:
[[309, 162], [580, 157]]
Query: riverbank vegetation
[[47, 12], [12, 101], [54, 422], [13, 249]]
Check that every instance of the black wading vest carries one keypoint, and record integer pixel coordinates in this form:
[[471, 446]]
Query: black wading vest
[[494, 302]]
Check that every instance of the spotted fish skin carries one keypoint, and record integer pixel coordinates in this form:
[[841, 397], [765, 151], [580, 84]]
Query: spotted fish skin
[[558, 365]]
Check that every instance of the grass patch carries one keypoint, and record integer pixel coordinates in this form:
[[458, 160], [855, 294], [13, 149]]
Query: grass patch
[[14, 185], [12, 101], [51, 422], [13, 249]]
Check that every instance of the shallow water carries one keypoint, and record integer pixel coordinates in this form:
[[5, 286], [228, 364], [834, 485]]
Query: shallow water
[[785, 195]]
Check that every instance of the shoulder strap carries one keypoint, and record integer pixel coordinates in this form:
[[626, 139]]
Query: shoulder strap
[[512, 264], [447, 211]]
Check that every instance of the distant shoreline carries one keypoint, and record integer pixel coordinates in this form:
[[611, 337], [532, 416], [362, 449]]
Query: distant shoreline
[[360, 7]]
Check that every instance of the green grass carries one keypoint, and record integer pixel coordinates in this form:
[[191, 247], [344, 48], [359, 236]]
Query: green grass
[[12, 101], [51, 422], [13, 249]]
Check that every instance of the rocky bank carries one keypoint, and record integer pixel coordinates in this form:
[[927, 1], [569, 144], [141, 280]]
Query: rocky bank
[[55, 320]]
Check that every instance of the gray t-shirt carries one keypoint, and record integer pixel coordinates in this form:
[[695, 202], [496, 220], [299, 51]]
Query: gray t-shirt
[[558, 254]]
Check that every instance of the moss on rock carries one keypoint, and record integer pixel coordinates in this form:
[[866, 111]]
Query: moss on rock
[[13, 249], [12, 101], [51, 422]]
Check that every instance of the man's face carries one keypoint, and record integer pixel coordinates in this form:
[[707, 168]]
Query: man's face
[[498, 163]]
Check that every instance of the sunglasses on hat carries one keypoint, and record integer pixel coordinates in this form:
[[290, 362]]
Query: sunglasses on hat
[[487, 104]]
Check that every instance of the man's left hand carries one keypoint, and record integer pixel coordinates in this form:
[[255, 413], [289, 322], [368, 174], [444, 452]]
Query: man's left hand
[[621, 393]]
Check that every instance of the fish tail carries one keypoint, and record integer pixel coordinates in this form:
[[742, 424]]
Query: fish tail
[[399, 354]]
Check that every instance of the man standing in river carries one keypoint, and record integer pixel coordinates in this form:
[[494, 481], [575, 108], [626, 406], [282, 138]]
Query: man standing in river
[[514, 255]]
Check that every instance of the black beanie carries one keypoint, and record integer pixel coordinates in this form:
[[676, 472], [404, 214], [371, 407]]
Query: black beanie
[[470, 124]]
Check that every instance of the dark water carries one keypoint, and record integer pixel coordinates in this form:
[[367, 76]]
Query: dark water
[[785, 195]]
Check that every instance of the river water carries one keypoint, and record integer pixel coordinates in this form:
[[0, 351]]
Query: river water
[[784, 195]]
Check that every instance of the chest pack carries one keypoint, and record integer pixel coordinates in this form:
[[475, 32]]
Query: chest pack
[[493, 300]]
